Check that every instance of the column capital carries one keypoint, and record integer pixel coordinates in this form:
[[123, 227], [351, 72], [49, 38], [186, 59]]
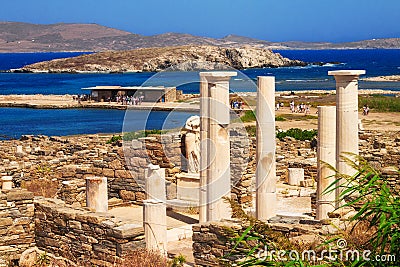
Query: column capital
[[216, 76], [346, 72]]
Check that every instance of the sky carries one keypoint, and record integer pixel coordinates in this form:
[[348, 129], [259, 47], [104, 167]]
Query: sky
[[271, 20]]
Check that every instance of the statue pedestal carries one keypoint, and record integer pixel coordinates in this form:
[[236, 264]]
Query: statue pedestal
[[187, 186]]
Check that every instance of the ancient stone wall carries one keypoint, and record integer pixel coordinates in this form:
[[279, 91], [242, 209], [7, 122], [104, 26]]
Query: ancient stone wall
[[213, 241], [54, 160], [84, 237], [16, 224]]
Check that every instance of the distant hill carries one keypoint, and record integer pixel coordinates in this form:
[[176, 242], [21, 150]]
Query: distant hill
[[25, 37], [160, 58]]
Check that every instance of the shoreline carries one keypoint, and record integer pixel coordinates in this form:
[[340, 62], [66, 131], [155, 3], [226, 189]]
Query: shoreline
[[66, 101]]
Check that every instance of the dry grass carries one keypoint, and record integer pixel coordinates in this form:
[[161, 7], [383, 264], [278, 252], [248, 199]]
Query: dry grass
[[144, 258]]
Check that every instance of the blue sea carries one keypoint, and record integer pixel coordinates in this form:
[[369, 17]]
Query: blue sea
[[17, 121]]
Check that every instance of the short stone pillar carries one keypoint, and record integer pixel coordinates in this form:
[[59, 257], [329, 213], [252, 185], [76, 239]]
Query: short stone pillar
[[326, 154], [155, 183], [19, 152], [97, 194], [215, 133], [346, 119], [155, 225], [295, 175], [265, 150], [7, 182]]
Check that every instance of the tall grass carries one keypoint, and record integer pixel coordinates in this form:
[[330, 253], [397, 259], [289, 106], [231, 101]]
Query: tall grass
[[380, 103], [378, 205]]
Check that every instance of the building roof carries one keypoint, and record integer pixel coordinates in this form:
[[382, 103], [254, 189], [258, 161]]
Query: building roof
[[127, 88]]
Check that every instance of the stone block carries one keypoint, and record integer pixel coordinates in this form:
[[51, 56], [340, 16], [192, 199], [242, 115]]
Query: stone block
[[108, 173], [127, 195], [125, 174], [6, 222], [19, 194], [127, 231]]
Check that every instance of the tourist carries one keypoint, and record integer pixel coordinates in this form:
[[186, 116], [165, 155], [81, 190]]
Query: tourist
[[365, 110], [292, 106]]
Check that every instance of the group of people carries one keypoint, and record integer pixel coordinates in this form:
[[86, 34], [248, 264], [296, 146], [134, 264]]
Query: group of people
[[237, 104], [301, 108], [81, 97], [128, 100]]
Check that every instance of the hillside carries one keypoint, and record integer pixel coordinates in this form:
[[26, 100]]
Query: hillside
[[156, 59], [25, 37]]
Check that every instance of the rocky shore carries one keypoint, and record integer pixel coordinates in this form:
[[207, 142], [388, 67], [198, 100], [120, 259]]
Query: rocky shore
[[177, 58], [388, 78]]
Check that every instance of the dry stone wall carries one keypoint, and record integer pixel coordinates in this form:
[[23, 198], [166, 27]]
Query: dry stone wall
[[60, 164], [84, 237], [17, 226], [213, 241]]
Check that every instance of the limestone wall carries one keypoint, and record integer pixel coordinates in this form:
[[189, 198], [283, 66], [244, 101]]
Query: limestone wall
[[82, 236], [16, 224], [213, 241], [53, 160]]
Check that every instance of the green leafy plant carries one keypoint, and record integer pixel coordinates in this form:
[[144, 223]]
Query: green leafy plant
[[42, 260], [377, 203], [297, 134], [178, 261]]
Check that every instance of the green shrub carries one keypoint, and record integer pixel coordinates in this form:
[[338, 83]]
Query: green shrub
[[248, 116], [114, 139], [279, 118], [297, 134], [139, 134]]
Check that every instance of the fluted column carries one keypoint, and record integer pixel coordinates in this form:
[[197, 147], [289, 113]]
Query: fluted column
[[218, 143], [326, 154], [346, 118], [155, 183], [155, 225], [265, 150]]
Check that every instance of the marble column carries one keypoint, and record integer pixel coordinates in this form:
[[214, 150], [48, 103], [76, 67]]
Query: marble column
[[155, 183], [97, 194], [7, 182], [265, 150], [155, 225], [204, 125], [215, 159], [346, 119], [326, 154]]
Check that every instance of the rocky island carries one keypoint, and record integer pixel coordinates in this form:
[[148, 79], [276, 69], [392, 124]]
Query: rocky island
[[181, 58]]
